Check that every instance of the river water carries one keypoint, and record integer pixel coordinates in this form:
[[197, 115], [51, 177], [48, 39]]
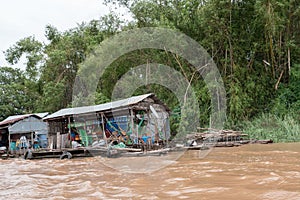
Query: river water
[[270, 172]]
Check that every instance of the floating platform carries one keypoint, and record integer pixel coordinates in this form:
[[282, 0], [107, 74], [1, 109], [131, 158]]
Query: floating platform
[[90, 152], [57, 153]]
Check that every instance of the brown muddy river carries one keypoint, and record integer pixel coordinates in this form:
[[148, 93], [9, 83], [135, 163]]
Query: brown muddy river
[[249, 172]]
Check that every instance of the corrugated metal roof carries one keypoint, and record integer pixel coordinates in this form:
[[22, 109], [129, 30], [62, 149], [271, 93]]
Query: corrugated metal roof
[[98, 108], [29, 124], [15, 118]]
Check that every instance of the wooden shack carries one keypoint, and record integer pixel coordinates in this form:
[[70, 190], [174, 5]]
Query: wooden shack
[[20, 131], [139, 122]]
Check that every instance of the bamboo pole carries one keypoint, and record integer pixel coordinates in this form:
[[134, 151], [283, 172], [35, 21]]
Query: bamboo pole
[[289, 60], [86, 133], [278, 81]]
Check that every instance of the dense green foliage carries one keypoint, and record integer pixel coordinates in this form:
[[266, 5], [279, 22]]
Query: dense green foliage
[[279, 129], [255, 44], [16, 94]]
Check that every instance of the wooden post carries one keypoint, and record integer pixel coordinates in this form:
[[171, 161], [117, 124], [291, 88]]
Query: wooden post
[[69, 131], [165, 130], [32, 140], [9, 150], [63, 141], [50, 141], [86, 134], [132, 124], [156, 132], [103, 129], [58, 139]]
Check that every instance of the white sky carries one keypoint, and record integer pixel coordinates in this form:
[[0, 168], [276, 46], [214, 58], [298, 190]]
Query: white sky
[[23, 18]]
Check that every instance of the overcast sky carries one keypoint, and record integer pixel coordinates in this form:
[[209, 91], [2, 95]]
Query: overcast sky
[[23, 18]]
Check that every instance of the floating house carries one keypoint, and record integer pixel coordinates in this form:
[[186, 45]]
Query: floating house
[[137, 122], [22, 131]]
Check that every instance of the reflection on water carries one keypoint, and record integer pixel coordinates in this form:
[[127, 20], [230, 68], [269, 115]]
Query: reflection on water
[[248, 172]]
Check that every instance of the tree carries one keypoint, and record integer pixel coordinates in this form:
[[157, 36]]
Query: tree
[[15, 97], [33, 51], [65, 52], [254, 43]]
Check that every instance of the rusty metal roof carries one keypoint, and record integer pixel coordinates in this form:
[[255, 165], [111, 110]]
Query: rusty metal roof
[[98, 108]]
